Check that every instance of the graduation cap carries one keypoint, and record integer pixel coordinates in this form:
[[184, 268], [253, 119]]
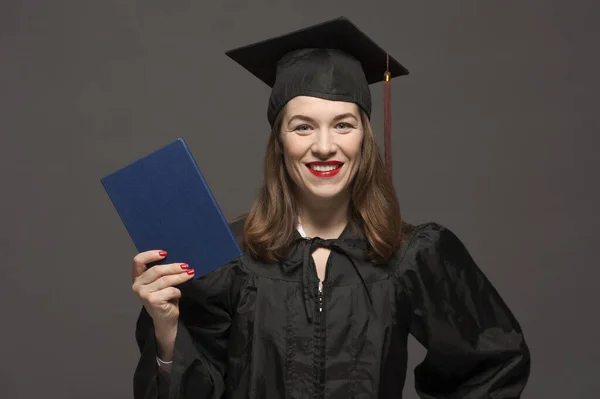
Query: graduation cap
[[332, 60]]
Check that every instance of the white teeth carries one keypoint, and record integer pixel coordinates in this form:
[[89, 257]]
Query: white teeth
[[323, 168]]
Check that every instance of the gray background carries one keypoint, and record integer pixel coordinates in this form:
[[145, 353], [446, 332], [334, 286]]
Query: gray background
[[494, 136]]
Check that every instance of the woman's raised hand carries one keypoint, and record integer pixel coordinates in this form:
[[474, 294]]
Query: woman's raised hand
[[155, 287]]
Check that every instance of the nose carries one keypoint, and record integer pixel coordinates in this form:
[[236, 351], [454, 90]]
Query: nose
[[323, 145]]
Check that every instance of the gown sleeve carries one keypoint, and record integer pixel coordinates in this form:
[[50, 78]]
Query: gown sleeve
[[200, 354], [475, 346]]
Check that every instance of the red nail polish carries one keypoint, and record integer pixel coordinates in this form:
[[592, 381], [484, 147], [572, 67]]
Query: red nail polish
[[191, 271], [185, 266], [162, 253]]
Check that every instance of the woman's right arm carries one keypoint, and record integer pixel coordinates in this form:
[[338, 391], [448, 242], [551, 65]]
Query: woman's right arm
[[189, 330], [160, 314]]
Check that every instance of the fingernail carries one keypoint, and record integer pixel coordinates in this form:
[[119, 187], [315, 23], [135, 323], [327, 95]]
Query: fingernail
[[162, 253], [185, 266], [191, 271]]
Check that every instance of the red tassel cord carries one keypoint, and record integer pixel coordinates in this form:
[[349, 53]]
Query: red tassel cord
[[387, 118]]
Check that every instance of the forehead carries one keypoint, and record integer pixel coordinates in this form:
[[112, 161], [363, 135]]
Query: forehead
[[319, 108]]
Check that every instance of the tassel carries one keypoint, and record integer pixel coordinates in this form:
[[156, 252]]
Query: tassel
[[387, 117]]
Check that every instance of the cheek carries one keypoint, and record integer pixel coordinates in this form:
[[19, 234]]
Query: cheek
[[291, 157], [291, 165], [293, 150], [354, 150], [355, 154]]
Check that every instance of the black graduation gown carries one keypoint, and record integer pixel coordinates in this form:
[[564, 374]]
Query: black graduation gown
[[252, 330]]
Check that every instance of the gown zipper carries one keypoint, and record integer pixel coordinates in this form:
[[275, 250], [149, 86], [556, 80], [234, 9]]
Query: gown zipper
[[320, 298], [319, 336], [320, 347]]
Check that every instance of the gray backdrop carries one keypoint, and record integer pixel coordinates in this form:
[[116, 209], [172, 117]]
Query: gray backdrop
[[494, 136]]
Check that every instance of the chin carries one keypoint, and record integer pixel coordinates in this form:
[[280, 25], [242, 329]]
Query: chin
[[328, 193]]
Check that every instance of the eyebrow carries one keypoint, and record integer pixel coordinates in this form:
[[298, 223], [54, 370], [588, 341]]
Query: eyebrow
[[309, 119]]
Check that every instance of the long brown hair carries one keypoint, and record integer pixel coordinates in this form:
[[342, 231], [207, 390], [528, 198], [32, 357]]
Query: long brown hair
[[374, 206]]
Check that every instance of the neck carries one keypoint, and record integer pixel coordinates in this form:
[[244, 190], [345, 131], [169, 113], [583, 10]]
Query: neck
[[326, 219]]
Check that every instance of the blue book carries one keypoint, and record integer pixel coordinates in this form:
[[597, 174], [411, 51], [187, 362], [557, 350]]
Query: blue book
[[165, 203]]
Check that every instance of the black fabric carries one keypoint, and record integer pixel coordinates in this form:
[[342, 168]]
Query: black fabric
[[252, 330], [333, 60]]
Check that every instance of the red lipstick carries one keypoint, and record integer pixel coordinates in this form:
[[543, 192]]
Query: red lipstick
[[329, 172]]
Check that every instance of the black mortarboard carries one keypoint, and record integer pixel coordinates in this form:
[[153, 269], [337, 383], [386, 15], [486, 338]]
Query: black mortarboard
[[333, 60]]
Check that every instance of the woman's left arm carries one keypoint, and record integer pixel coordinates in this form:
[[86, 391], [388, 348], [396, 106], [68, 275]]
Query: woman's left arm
[[475, 345]]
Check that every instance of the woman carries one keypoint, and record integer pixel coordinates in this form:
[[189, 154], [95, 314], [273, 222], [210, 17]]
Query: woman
[[332, 281]]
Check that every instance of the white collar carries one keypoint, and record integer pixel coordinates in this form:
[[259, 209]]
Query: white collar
[[300, 229]]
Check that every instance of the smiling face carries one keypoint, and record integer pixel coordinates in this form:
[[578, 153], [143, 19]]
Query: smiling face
[[322, 142]]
